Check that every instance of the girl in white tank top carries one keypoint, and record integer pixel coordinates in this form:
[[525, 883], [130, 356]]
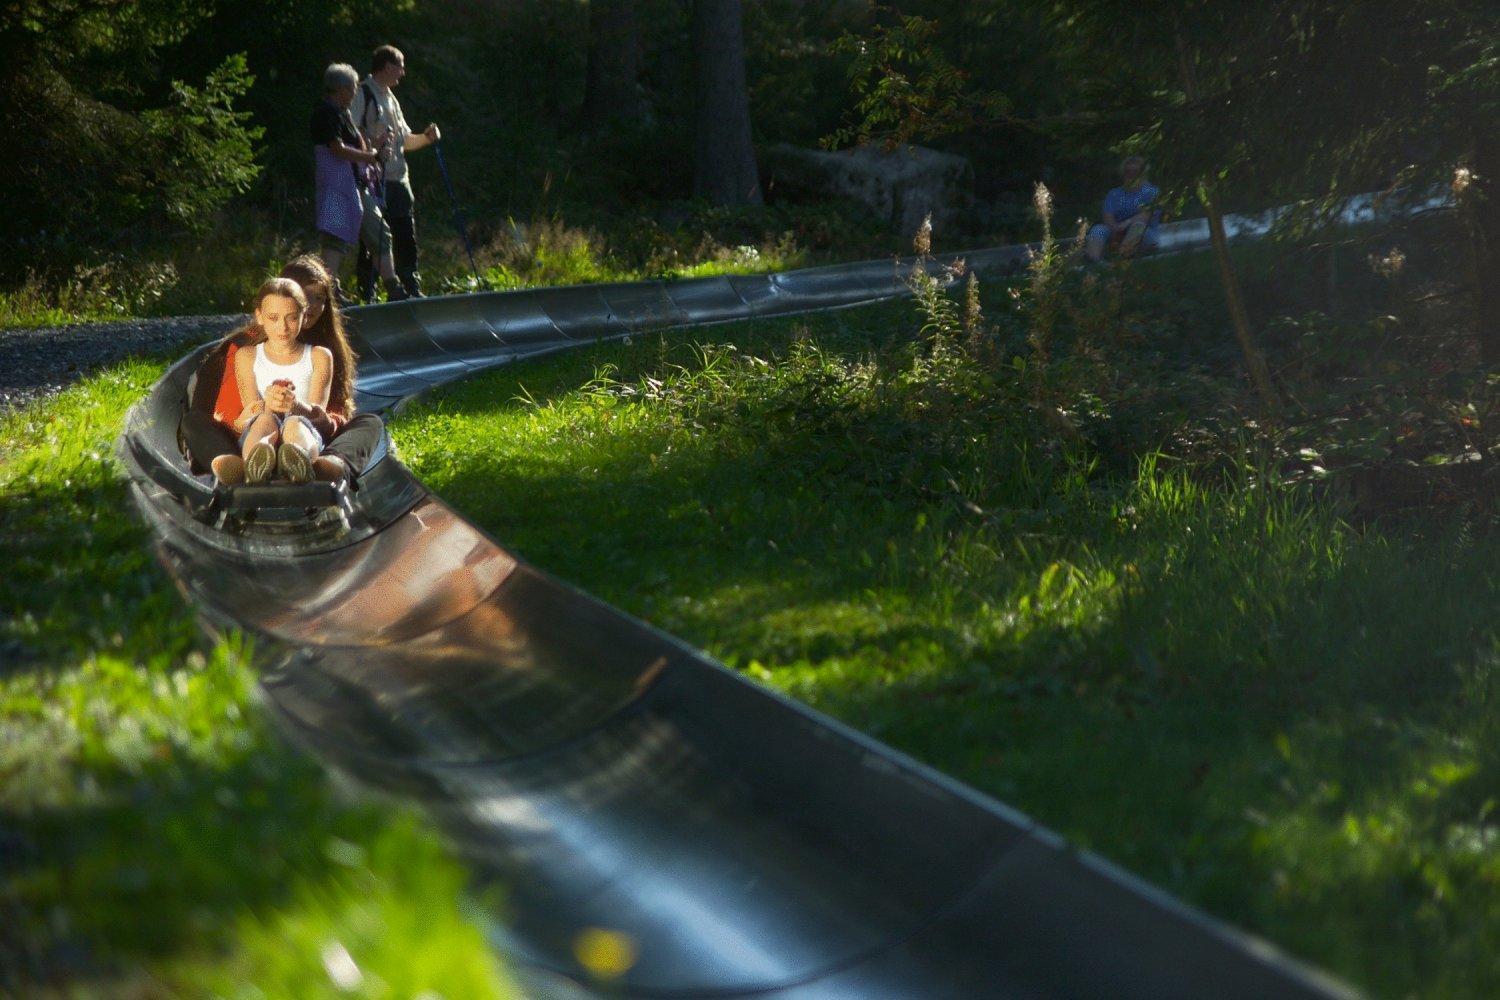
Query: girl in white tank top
[[299, 372], [281, 440]]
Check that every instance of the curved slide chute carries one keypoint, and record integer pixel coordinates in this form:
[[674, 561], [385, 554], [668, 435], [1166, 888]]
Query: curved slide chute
[[613, 777]]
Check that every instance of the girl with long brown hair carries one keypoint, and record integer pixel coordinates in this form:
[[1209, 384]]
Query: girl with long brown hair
[[323, 325], [352, 436], [289, 378], [216, 417]]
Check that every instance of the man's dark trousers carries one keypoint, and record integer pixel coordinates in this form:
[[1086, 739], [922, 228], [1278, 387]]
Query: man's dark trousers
[[399, 215]]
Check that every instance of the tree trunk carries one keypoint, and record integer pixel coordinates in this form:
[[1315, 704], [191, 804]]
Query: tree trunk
[[1482, 205], [1239, 317], [724, 168], [610, 91], [1234, 299]]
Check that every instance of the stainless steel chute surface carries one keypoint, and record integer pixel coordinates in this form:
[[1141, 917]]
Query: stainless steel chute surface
[[611, 776]]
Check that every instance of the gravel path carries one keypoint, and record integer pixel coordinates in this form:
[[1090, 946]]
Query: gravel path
[[38, 362]]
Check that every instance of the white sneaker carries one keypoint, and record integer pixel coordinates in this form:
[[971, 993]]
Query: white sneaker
[[260, 463], [293, 463]]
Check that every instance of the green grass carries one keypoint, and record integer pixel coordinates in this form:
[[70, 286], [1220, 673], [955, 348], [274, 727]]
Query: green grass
[[170, 277], [156, 837], [1175, 659], [1184, 663], [553, 253]]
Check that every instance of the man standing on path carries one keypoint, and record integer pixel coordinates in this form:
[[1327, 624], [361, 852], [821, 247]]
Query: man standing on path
[[377, 112]]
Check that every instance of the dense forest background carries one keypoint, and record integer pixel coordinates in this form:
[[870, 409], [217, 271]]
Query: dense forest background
[[155, 127], [153, 131], [1190, 557]]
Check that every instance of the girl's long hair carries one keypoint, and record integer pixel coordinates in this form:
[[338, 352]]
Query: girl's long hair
[[328, 332]]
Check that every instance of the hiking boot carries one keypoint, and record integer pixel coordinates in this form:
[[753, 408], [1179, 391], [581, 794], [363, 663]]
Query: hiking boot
[[394, 292], [260, 463], [228, 470], [330, 469], [293, 463]]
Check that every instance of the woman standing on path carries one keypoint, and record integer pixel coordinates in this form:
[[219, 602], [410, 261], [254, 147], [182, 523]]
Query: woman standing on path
[[348, 183]]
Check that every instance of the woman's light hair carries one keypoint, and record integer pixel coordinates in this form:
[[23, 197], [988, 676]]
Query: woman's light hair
[[338, 76]]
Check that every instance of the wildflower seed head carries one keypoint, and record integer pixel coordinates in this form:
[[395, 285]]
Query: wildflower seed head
[[1390, 264], [1463, 178], [973, 315], [922, 241], [1041, 200]]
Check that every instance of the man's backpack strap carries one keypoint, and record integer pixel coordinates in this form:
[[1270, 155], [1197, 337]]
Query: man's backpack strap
[[370, 102]]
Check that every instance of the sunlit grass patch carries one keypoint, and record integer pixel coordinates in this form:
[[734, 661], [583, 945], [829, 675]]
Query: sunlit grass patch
[[1179, 659], [550, 252], [156, 837], [381, 923]]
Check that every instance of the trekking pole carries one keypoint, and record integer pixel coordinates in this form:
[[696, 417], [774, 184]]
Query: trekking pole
[[458, 213]]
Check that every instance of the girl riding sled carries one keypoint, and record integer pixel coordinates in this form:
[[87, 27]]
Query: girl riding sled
[[216, 419], [289, 380]]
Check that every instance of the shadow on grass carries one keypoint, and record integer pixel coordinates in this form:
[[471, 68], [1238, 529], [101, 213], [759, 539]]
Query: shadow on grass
[[155, 835], [1221, 686], [80, 579], [143, 805], [165, 858]]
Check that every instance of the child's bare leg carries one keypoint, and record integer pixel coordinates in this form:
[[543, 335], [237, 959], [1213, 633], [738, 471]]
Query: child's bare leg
[[296, 431], [298, 451], [262, 428]]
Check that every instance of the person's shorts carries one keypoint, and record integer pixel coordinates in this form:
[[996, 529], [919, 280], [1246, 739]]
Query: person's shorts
[[281, 423], [1102, 233], [374, 231]]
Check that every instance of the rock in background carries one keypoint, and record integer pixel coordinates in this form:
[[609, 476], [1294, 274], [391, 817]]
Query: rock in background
[[902, 185]]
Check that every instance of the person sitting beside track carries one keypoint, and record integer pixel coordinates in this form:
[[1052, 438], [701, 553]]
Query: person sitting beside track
[[216, 418], [1130, 215]]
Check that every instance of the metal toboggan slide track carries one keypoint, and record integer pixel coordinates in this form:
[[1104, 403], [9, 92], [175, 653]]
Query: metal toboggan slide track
[[612, 777]]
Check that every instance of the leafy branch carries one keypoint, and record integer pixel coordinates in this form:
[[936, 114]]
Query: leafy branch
[[908, 88]]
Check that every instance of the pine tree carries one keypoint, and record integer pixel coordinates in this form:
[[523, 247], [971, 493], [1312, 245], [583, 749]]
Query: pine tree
[[725, 171]]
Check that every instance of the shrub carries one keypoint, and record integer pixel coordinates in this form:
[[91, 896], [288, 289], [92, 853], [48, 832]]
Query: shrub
[[96, 175]]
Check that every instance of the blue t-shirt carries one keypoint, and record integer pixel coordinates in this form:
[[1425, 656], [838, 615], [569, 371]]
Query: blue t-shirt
[[1122, 204]]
